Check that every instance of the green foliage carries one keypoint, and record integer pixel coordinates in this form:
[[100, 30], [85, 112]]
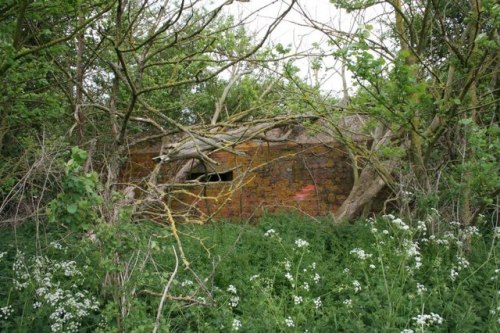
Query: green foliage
[[77, 205], [287, 273]]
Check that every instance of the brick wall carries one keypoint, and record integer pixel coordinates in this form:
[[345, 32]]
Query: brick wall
[[313, 178]]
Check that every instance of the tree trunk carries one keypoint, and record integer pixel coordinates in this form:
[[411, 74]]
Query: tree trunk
[[363, 192]]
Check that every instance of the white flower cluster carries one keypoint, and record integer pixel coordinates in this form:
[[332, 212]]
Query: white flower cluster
[[347, 302], [186, 283], [288, 265], [6, 311], [356, 285], [56, 245], [413, 251], [233, 300], [289, 322], [254, 277], [297, 300], [69, 306], [2, 254], [236, 324], [462, 263], [421, 288], [360, 253], [317, 302], [270, 233], [428, 319], [421, 226], [300, 243], [316, 278], [232, 289], [400, 224], [407, 330]]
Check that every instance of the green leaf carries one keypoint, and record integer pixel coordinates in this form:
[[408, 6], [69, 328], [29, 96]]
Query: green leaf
[[71, 208]]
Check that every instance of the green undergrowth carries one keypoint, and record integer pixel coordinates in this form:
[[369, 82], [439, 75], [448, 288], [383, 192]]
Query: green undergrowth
[[285, 274]]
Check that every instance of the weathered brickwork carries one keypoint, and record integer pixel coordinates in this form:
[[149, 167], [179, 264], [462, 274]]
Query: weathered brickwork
[[313, 178]]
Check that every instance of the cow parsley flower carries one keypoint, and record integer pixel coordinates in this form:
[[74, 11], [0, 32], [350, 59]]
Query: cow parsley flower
[[428, 319], [186, 283], [421, 289], [297, 299], [288, 265], [360, 253], [317, 302], [254, 277], [232, 289], [270, 233], [300, 243], [356, 285], [236, 325], [6, 311], [234, 301], [289, 322]]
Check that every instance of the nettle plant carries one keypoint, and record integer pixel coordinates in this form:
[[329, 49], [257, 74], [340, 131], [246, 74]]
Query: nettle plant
[[75, 207]]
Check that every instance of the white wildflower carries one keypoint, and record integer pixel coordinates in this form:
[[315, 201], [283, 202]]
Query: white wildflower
[[253, 277], [360, 253], [421, 289], [428, 319], [270, 233], [453, 274], [421, 226], [289, 322], [232, 289], [56, 245], [300, 243], [400, 224], [462, 263], [236, 325], [305, 286], [6, 311], [297, 299], [356, 285], [347, 302], [316, 278], [407, 330], [372, 266], [186, 283], [288, 265], [317, 302], [234, 301], [346, 270], [289, 277]]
